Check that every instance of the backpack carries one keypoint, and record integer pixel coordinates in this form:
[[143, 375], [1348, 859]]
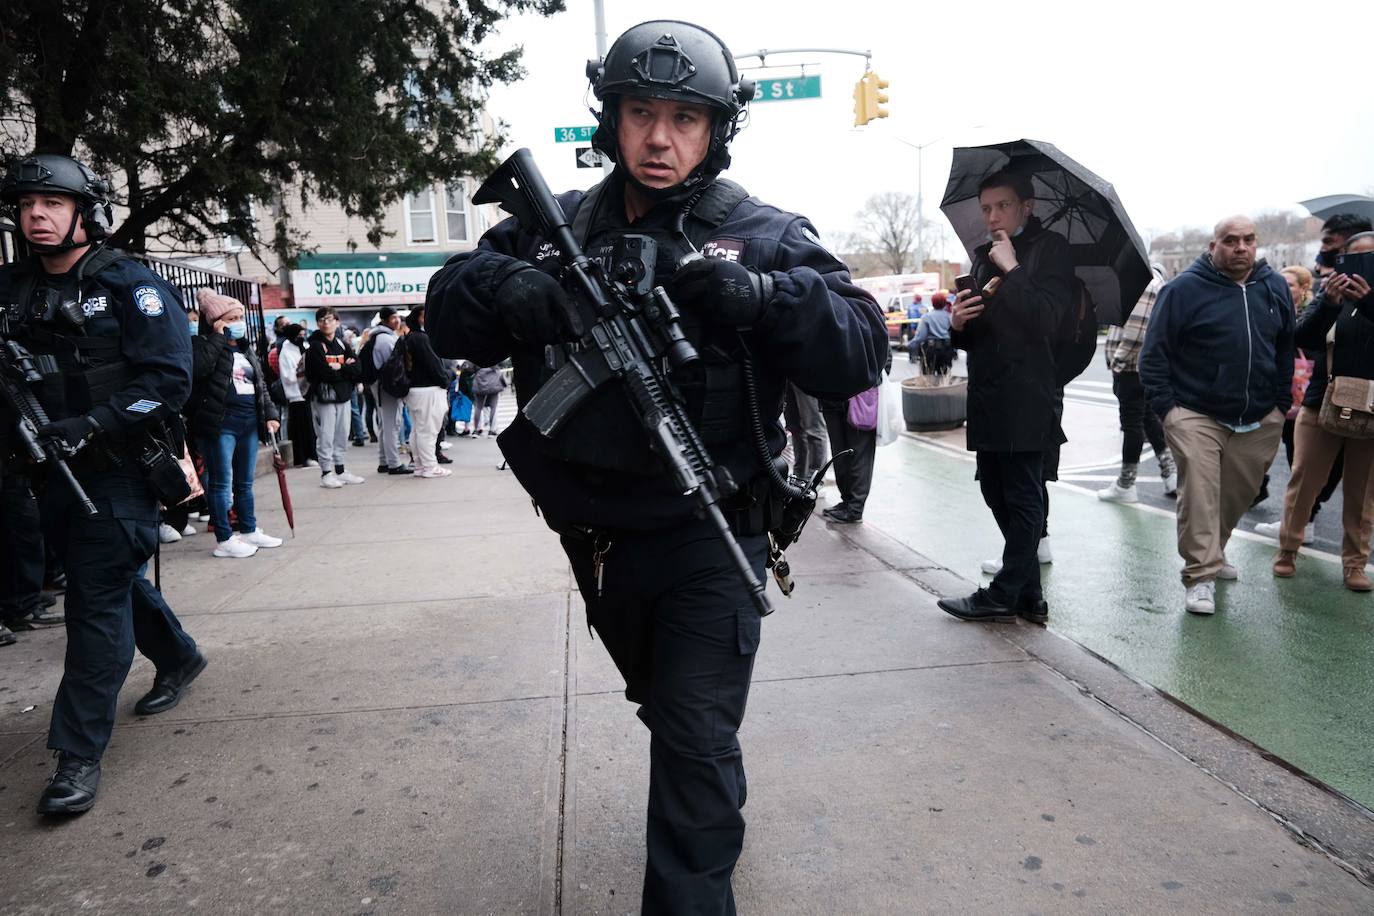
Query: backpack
[[393, 376], [367, 361], [1076, 340], [274, 358]]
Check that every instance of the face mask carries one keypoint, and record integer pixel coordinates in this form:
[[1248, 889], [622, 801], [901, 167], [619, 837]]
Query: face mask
[[236, 330], [193, 329]]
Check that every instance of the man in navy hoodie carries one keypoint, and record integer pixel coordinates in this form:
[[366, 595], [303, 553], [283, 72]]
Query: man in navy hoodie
[[1217, 366]]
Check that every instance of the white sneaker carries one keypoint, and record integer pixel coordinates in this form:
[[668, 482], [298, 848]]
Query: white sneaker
[[1042, 553], [446, 445], [331, 481], [260, 538], [1227, 571], [311, 463], [1115, 493], [1201, 598], [189, 530], [236, 547], [202, 516], [167, 534], [1272, 529], [351, 478], [1171, 484], [434, 472]]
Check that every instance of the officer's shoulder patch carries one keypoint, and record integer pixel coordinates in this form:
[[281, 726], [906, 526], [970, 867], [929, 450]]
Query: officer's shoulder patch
[[727, 249], [148, 300], [810, 235]]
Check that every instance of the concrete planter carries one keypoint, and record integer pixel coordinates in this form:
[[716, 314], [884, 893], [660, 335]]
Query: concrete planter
[[928, 406]]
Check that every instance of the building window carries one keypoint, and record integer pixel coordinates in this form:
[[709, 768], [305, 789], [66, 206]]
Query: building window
[[456, 209], [420, 228]]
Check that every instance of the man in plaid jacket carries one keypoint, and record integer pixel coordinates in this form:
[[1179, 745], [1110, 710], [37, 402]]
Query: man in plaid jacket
[[1138, 421]]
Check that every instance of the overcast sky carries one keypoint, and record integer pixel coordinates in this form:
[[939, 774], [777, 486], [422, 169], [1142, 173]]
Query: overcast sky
[[1194, 110]]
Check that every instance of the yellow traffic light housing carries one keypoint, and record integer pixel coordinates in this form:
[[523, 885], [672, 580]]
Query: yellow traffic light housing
[[861, 103], [874, 97]]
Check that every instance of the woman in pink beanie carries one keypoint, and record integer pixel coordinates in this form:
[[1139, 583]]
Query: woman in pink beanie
[[229, 412]]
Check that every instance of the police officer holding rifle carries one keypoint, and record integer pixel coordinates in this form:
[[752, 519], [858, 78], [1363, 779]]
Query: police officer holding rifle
[[653, 323], [96, 365]]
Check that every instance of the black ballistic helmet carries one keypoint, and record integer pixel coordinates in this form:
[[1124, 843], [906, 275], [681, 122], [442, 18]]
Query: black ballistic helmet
[[48, 173], [678, 62]]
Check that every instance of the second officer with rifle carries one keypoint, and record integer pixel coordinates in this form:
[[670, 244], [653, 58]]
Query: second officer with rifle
[[97, 366], [766, 304]]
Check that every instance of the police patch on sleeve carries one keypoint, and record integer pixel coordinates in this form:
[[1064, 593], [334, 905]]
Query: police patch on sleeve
[[148, 300]]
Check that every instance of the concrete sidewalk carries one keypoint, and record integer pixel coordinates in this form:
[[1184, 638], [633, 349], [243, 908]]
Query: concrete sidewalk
[[404, 713]]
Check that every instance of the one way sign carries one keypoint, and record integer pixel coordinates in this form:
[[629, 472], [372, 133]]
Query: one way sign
[[588, 158]]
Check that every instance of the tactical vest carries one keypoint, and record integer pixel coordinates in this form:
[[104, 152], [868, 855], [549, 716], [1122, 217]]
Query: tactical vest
[[605, 433], [80, 370]]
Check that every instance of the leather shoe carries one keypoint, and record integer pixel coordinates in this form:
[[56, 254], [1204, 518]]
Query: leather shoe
[[442, 458], [401, 469], [73, 786], [1037, 611], [382, 469], [980, 606], [167, 688]]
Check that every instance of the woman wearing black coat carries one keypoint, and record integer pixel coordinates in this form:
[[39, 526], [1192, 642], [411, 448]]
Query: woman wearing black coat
[[230, 412]]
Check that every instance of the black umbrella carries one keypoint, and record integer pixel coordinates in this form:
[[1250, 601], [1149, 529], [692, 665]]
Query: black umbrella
[[1108, 255], [1327, 207]]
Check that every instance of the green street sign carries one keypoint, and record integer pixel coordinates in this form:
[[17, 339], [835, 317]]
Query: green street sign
[[573, 134], [798, 87]]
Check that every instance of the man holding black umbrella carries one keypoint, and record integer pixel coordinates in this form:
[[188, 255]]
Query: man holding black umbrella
[[1025, 285]]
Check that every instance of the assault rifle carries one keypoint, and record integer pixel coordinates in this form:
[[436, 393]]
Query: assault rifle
[[632, 328], [17, 374]]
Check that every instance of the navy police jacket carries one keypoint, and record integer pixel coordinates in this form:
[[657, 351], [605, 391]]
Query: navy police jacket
[[1218, 347], [131, 315], [818, 330]]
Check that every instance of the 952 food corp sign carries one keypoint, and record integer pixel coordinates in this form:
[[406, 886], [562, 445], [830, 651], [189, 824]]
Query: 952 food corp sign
[[371, 285]]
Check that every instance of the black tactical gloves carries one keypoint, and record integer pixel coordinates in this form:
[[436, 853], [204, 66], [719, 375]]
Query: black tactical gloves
[[725, 291], [72, 432], [535, 309]]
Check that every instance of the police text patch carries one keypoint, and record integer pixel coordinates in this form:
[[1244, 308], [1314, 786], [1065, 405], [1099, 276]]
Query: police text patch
[[144, 406], [149, 301], [728, 249]]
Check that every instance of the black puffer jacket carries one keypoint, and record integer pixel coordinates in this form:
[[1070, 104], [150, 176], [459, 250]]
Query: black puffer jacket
[[212, 376]]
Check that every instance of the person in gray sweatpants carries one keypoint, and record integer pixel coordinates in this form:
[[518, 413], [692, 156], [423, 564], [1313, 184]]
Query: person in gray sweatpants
[[388, 408], [332, 370]]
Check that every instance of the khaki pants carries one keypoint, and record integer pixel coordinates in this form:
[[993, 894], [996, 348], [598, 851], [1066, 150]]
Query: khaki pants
[[1219, 474], [1314, 453]]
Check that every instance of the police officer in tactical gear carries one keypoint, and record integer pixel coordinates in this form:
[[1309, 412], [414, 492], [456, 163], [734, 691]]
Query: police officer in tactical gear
[[109, 339], [766, 300]]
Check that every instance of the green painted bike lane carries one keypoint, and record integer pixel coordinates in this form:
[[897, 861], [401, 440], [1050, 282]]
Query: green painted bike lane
[[1288, 664]]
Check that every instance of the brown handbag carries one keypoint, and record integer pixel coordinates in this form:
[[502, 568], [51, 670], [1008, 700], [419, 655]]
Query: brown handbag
[[1348, 407]]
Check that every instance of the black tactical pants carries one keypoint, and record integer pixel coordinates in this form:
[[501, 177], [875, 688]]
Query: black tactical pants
[[21, 544], [682, 630], [110, 608], [1014, 489]]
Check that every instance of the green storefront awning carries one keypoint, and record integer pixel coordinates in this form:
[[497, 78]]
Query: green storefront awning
[[359, 260]]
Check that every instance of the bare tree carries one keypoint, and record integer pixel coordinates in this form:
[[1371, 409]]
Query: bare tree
[[888, 226]]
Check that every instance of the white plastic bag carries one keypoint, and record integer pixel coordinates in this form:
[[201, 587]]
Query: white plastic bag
[[890, 420]]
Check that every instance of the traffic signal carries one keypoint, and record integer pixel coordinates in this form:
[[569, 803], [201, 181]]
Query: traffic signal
[[861, 102], [874, 97]]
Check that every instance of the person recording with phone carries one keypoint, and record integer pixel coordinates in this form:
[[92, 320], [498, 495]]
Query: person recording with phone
[[1339, 321], [1020, 286]]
